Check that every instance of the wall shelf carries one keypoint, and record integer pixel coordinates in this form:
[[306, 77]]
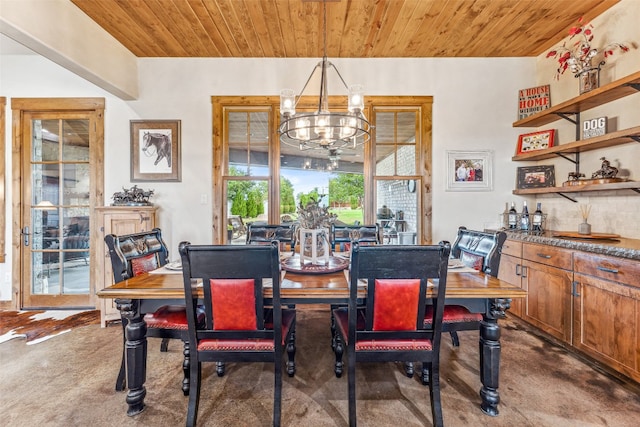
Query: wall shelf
[[602, 95], [626, 86], [609, 140], [561, 191]]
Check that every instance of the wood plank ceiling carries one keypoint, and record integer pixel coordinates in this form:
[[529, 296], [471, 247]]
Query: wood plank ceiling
[[355, 28]]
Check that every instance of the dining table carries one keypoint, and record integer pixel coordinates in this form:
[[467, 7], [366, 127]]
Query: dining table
[[479, 292]]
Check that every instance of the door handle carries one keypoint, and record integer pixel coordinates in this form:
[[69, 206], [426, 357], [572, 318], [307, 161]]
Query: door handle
[[608, 270], [25, 235]]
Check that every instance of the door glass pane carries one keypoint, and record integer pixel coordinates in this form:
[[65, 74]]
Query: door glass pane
[[247, 202], [396, 142], [75, 146], [76, 184], [248, 142], [46, 136], [396, 211], [75, 250], [45, 183]]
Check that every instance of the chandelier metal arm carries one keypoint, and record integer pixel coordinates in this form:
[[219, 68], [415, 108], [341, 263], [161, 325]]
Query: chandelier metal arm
[[324, 129]]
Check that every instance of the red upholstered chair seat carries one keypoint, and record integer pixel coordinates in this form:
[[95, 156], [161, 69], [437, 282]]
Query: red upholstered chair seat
[[453, 314], [342, 323], [236, 345], [170, 317]]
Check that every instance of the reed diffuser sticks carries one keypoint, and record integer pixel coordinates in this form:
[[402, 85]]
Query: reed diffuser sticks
[[584, 211]]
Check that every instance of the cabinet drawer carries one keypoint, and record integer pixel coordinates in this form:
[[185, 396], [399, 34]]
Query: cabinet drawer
[[621, 270], [548, 255], [512, 247]]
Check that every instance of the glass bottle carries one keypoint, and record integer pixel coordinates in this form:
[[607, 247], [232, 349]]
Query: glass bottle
[[524, 218], [537, 219], [513, 217]]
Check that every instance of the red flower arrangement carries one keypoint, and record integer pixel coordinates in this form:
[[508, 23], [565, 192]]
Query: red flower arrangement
[[579, 57]]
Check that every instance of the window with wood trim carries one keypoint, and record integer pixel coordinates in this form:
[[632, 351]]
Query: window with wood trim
[[393, 168]]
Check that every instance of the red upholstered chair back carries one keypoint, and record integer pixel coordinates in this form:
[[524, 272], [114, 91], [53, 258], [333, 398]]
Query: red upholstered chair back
[[233, 303], [396, 305]]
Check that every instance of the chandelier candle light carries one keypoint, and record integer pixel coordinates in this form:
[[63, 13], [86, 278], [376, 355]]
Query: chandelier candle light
[[580, 58], [324, 129]]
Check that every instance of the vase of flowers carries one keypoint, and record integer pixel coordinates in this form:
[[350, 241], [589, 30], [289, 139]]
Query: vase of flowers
[[581, 58], [314, 217]]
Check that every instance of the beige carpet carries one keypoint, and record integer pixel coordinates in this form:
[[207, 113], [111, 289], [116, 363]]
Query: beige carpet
[[69, 381]]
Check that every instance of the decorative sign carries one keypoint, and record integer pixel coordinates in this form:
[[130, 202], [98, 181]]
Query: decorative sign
[[594, 127], [533, 100]]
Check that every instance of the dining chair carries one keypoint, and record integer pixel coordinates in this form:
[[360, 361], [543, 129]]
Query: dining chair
[[137, 253], [340, 236], [480, 250], [240, 325], [391, 327], [265, 233]]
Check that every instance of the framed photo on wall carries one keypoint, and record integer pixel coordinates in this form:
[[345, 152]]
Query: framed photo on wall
[[534, 141], [536, 176], [155, 150], [469, 170]]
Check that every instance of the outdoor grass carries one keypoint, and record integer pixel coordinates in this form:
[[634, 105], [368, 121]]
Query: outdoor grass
[[348, 216]]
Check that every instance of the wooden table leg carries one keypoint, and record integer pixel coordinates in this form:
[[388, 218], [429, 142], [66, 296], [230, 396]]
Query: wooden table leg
[[490, 355], [136, 353]]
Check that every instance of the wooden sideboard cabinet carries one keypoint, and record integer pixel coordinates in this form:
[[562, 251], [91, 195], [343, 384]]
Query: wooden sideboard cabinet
[[545, 272], [606, 312], [589, 301], [548, 277], [116, 220]]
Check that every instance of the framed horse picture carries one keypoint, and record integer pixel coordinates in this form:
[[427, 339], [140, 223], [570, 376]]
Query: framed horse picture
[[155, 150]]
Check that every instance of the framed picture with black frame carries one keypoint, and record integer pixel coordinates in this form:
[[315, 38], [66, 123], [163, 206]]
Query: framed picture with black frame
[[536, 177]]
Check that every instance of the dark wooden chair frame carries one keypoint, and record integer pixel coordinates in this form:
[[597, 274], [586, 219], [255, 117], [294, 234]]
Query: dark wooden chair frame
[[201, 263], [481, 243], [350, 233], [122, 270], [266, 233], [369, 263]]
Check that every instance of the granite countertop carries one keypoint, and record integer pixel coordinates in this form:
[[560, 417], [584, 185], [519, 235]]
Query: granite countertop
[[622, 247]]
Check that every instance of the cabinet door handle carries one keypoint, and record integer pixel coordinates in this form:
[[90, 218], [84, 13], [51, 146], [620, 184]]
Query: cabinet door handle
[[544, 256], [518, 269], [574, 291], [608, 270], [524, 271]]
